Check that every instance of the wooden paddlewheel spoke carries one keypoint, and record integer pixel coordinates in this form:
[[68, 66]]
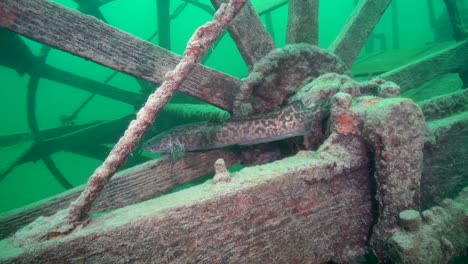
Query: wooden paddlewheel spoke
[[355, 33], [251, 37], [334, 191], [303, 22], [33, 125]]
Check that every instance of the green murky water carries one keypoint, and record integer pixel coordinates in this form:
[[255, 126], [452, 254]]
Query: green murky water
[[32, 181]]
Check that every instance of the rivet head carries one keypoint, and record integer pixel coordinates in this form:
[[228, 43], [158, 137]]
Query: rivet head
[[410, 220]]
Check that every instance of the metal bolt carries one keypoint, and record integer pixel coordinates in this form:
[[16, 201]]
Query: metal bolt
[[410, 220]]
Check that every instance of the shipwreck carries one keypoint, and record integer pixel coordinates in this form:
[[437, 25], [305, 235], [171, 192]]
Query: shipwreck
[[360, 169]]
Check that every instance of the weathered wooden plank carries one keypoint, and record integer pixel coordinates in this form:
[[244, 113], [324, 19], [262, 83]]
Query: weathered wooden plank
[[450, 60], [303, 23], [251, 37], [100, 152], [130, 186], [446, 105], [89, 38], [357, 29], [298, 209], [15, 54], [445, 170], [371, 65], [460, 31], [305, 208]]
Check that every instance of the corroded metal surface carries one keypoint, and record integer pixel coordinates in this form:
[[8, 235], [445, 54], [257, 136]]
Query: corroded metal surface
[[438, 235]]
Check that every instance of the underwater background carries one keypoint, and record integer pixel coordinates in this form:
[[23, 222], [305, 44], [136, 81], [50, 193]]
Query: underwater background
[[32, 181]]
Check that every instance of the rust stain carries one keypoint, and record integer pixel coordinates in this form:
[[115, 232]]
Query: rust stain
[[56, 235], [301, 206], [7, 16], [305, 206], [346, 124], [371, 101]]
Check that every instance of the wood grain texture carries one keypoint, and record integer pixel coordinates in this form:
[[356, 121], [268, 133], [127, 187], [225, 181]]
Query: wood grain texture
[[303, 23], [454, 9], [376, 64], [251, 37], [15, 54], [297, 210], [444, 106], [306, 208], [445, 170], [449, 60], [357, 29], [130, 186], [89, 38]]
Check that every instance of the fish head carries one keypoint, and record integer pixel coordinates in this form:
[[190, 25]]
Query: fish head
[[165, 143]]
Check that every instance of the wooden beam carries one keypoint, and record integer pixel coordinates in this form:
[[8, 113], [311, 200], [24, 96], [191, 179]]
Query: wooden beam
[[251, 37], [357, 29], [15, 54], [130, 186], [100, 152], [445, 171], [460, 32], [371, 65], [297, 210], [444, 106], [89, 38], [449, 60], [303, 23]]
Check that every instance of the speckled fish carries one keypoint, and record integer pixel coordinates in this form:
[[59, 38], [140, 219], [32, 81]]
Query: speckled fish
[[289, 121]]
